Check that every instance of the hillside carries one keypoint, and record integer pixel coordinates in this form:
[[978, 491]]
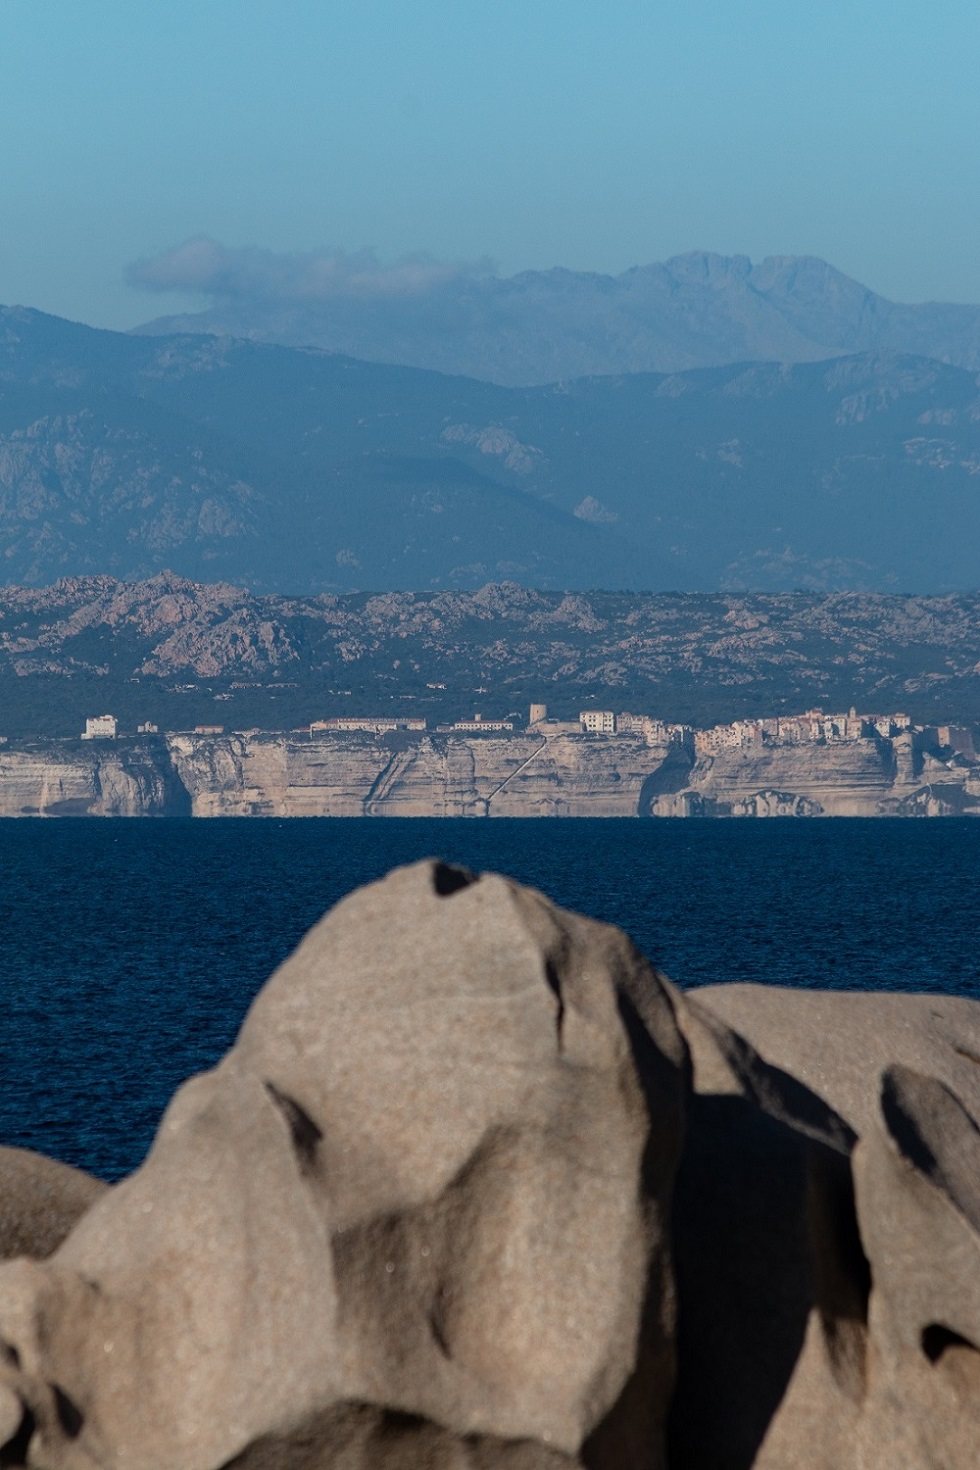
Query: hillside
[[300, 472], [180, 654]]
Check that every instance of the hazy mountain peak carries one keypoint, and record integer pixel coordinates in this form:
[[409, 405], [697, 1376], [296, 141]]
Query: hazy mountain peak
[[698, 309], [704, 267]]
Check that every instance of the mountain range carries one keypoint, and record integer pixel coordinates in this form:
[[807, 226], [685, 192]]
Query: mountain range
[[295, 470], [692, 311], [179, 654]]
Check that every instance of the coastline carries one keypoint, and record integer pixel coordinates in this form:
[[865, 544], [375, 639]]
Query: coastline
[[326, 774]]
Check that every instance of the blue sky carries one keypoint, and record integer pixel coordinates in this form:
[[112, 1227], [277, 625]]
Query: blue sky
[[595, 134]]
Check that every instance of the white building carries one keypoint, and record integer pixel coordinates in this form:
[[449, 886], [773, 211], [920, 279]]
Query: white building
[[736, 736], [718, 737], [374, 724], [551, 728], [102, 727], [598, 721], [654, 731], [477, 723], [889, 725]]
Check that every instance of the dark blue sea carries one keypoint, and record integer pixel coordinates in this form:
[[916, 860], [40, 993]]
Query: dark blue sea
[[131, 950]]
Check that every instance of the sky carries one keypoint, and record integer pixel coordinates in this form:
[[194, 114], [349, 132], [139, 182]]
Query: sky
[[592, 134]]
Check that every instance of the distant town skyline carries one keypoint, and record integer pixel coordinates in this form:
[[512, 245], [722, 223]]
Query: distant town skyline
[[602, 764], [551, 134]]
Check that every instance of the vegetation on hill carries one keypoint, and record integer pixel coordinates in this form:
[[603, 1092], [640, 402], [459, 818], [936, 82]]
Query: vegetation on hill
[[177, 653], [299, 472]]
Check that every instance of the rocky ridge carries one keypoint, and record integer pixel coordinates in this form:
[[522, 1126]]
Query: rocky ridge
[[182, 653], [477, 1189]]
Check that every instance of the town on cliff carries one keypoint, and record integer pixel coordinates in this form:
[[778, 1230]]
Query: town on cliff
[[813, 726], [604, 764]]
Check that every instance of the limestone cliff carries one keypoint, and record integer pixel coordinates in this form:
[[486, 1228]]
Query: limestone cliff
[[431, 776], [860, 778], [846, 780], [54, 778], [455, 775]]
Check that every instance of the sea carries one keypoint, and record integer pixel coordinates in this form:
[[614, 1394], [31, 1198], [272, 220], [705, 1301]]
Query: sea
[[131, 950]]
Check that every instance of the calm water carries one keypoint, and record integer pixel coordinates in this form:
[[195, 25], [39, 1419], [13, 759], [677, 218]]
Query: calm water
[[131, 950]]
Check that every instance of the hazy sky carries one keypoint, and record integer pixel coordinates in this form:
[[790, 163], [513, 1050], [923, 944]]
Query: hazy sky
[[595, 134]]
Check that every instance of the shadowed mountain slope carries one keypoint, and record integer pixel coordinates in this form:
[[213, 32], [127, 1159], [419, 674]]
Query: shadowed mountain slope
[[300, 471]]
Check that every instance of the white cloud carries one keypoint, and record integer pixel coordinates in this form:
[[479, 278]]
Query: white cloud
[[206, 266]]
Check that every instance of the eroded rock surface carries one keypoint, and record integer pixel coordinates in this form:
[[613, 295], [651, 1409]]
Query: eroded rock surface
[[476, 1189], [885, 1370], [841, 1042], [40, 1202], [96, 779], [428, 776], [433, 1176], [360, 1437], [358, 774]]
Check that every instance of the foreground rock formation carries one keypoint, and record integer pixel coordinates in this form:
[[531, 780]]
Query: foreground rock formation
[[40, 1202], [476, 1187]]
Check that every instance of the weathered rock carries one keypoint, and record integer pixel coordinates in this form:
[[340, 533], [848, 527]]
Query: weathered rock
[[433, 1177], [359, 1437], [840, 1042], [477, 1190], [918, 1193], [40, 1201], [846, 779], [886, 1369], [355, 775], [103, 778], [771, 1278]]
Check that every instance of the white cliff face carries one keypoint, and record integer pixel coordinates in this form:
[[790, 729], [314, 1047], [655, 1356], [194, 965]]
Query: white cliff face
[[846, 780], [435, 776], [569, 775], [65, 779], [860, 778], [580, 776]]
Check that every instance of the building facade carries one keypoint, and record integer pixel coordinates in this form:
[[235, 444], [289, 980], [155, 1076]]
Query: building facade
[[101, 727]]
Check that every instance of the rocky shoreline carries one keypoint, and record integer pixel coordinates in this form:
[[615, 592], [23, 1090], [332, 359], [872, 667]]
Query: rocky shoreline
[[429, 775]]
